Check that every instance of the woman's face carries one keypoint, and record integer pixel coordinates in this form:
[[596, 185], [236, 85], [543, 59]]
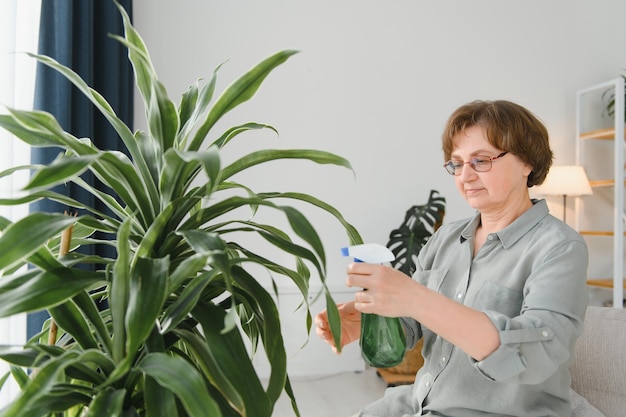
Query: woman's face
[[502, 188]]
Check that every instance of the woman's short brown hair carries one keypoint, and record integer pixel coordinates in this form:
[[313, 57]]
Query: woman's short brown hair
[[509, 127]]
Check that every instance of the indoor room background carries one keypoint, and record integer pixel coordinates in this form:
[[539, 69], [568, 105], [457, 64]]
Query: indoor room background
[[375, 82]]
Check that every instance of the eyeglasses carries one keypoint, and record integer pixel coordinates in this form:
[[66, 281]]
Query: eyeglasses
[[478, 164]]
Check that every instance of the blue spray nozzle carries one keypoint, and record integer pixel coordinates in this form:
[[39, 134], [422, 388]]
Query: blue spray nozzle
[[373, 253]]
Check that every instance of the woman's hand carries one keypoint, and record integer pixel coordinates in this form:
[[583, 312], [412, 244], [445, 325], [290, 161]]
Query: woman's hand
[[386, 291], [390, 293], [350, 325]]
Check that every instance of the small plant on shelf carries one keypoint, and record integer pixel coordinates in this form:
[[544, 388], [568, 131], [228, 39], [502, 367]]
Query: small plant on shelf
[[608, 96]]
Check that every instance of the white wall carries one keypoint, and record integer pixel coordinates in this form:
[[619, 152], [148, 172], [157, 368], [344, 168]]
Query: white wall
[[376, 80]]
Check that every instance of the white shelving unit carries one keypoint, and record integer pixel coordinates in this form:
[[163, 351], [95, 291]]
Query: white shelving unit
[[600, 150]]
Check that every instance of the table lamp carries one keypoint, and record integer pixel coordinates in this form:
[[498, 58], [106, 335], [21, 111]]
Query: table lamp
[[566, 181]]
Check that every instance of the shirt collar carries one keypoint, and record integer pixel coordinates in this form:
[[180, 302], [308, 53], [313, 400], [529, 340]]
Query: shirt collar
[[513, 232]]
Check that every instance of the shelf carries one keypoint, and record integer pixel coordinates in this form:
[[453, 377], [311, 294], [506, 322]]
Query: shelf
[[597, 233], [587, 113], [603, 183], [606, 283], [605, 134]]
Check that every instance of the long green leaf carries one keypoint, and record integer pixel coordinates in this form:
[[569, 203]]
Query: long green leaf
[[95, 97], [161, 113], [107, 111], [28, 136], [226, 364], [180, 168], [235, 131], [266, 155], [20, 376], [354, 237], [162, 116], [34, 124], [192, 106], [189, 267], [294, 249], [153, 234], [187, 300], [334, 319], [39, 227], [190, 390], [115, 170], [272, 336], [160, 401], [239, 92], [69, 318], [36, 290], [19, 355], [107, 403], [147, 292], [60, 171], [65, 200], [120, 289], [298, 277], [33, 397], [138, 55], [88, 307], [305, 230]]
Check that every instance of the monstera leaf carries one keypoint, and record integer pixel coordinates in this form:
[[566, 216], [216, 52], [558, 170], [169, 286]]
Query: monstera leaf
[[420, 222]]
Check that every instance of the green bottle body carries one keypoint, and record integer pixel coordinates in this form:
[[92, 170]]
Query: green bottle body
[[382, 340]]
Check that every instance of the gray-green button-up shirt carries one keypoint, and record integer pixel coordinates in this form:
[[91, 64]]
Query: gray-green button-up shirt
[[530, 280]]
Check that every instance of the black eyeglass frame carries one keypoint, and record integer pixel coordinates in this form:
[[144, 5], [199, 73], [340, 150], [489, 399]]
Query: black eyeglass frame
[[452, 168]]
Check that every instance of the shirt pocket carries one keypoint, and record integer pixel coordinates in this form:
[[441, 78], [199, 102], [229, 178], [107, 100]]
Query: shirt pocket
[[495, 297], [432, 278]]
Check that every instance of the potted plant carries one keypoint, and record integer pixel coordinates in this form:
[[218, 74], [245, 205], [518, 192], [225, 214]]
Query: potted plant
[[608, 96], [406, 242], [182, 313]]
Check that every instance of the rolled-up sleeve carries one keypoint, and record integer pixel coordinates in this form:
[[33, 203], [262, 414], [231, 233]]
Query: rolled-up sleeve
[[412, 331], [539, 340]]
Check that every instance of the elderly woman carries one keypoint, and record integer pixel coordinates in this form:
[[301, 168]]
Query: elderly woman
[[499, 298]]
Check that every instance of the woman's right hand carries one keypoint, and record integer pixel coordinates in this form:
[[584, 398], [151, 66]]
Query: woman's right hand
[[350, 325]]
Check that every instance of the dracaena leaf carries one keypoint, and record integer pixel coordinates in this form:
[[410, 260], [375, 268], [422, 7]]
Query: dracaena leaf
[[190, 390]]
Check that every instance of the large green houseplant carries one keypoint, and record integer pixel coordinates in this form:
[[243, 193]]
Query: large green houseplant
[[182, 313]]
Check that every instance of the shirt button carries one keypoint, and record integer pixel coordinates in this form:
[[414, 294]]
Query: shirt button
[[459, 295], [443, 359], [544, 333], [490, 237], [428, 385]]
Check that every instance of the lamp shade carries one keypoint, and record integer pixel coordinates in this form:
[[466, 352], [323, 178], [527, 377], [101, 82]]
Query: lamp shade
[[566, 180]]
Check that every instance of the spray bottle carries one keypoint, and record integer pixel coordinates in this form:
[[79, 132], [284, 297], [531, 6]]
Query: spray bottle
[[382, 338]]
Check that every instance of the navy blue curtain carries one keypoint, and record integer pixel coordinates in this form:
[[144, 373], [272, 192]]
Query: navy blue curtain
[[76, 33]]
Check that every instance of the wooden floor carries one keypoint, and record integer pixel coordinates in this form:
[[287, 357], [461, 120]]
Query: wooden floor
[[341, 395]]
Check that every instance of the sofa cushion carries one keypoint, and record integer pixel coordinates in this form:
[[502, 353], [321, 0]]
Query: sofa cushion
[[599, 364]]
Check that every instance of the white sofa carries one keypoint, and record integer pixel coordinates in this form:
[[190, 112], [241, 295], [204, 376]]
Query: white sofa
[[599, 365]]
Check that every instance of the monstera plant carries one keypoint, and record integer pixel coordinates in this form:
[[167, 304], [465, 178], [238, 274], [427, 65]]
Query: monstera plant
[[167, 327], [406, 242], [420, 222]]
